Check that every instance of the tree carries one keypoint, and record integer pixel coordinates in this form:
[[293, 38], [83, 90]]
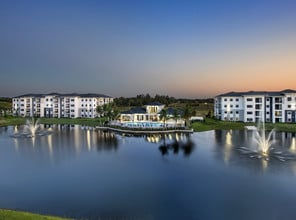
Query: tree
[[188, 112], [163, 116], [176, 116]]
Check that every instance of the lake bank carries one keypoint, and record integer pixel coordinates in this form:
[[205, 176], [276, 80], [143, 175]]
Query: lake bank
[[20, 215], [207, 125]]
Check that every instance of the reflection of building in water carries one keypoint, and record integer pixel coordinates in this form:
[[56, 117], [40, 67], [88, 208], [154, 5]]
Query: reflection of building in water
[[156, 138], [106, 140], [65, 141], [293, 144], [153, 138], [228, 146]]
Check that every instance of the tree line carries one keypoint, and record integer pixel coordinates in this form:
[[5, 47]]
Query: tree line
[[5, 106], [142, 99]]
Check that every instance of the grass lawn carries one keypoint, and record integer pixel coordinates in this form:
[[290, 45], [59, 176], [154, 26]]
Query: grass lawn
[[5, 121], [17, 215], [212, 124]]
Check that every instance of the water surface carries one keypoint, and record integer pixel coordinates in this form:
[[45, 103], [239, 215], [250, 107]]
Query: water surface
[[85, 173]]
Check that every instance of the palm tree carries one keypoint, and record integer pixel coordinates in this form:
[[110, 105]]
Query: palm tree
[[163, 116], [100, 110], [176, 116], [188, 112]]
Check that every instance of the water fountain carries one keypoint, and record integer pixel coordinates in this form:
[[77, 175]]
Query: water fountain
[[32, 129], [265, 148]]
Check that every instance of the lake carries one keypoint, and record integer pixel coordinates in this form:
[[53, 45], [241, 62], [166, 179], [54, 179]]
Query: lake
[[82, 172]]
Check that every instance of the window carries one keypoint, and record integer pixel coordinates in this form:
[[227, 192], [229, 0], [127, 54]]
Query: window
[[249, 106], [258, 100], [225, 100], [231, 100], [236, 112], [289, 106], [267, 99], [289, 99], [249, 113], [237, 100], [267, 106], [249, 119], [237, 106], [278, 107]]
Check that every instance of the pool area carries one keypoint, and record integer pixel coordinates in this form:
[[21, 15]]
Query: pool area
[[149, 124], [143, 125]]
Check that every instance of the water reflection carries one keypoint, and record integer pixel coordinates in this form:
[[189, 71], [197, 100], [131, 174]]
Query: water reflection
[[64, 140], [228, 146], [175, 146]]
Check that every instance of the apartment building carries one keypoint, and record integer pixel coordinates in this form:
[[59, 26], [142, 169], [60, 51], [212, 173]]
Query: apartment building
[[254, 106], [55, 105]]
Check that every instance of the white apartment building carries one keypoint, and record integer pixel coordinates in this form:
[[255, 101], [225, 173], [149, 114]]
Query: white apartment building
[[257, 106], [57, 105]]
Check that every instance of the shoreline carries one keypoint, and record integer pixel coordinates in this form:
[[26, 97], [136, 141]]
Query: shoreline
[[127, 131]]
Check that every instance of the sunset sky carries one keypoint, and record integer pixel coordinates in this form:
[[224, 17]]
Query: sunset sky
[[193, 49]]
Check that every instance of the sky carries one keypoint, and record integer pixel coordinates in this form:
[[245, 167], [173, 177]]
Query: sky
[[185, 49]]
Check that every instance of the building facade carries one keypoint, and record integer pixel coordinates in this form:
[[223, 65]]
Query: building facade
[[57, 105], [149, 114], [257, 106]]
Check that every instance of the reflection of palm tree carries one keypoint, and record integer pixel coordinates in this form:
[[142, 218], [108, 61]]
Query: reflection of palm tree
[[188, 147], [175, 147], [163, 149]]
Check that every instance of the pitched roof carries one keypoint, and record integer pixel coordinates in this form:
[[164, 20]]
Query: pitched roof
[[138, 110], [171, 111], [251, 93], [154, 104], [87, 95]]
